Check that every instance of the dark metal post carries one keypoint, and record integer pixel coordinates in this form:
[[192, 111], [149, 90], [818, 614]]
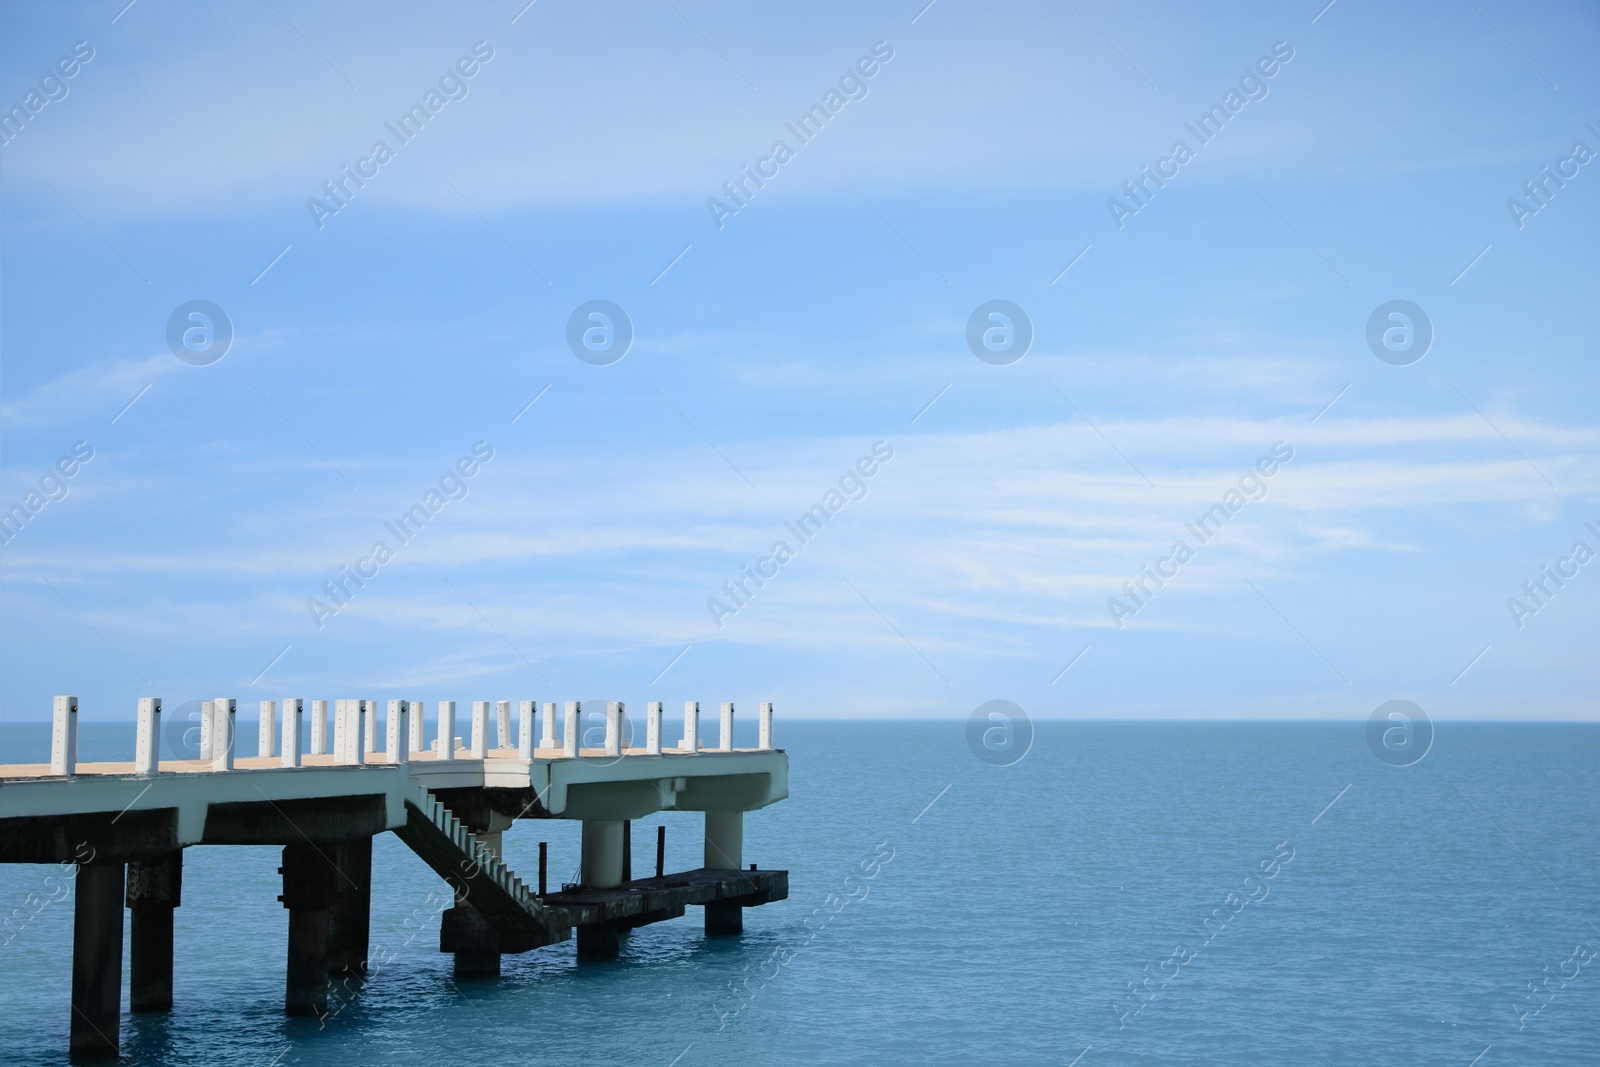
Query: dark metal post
[[627, 850], [544, 862], [661, 851]]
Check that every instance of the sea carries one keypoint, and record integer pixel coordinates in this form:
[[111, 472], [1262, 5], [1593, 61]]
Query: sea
[[1139, 893]]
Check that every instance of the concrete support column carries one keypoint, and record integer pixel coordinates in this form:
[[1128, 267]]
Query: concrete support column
[[480, 962], [155, 889], [604, 857], [97, 961], [724, 852], [310, 888], [350, 918], [602, 853]]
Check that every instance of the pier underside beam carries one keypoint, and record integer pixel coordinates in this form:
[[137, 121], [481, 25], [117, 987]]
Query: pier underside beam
[[97, 961], [155, 889]]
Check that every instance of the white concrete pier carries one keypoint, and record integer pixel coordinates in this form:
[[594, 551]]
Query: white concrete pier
[[126, 824]]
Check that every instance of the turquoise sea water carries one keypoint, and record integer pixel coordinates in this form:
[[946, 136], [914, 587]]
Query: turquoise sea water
[[1005, 923]]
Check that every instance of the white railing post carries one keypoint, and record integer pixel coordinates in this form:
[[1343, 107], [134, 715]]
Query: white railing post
[[319, 727], [502, 724], [355, 735], [652, 728], [290, 755], [64, 736], [444, 743], [614, 713], [394, 733], [399, 739], [369, 728], [525, 728], [224, 711], [726, 741], [341, 715], [146, 757], [547, 737], [569, 730], [417, 716], [764, 728], [207, 724], [267, 728], [691, 726], [480, 729]]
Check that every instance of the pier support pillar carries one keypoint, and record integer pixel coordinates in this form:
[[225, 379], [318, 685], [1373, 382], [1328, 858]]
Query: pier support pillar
[[602, 853], [310, 889], [724, 852], [479, 962], [155, 889], [350, 920], [602, 868], [97, 961]]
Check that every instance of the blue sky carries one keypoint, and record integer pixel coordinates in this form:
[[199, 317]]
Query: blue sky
[[770, 354]]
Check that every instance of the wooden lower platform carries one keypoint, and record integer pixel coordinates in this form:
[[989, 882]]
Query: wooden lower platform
[[648, 900]]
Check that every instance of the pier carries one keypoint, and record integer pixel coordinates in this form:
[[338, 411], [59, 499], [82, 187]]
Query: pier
[[123, 828]]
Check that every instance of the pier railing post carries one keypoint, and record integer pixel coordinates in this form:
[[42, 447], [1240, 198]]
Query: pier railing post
[[764, 728], [155, 888], [418, 724], [292, 707], [369, 731], [691, 726], [96, 960], [224, 716], [725, 742], [319, 727], [570, 729], [147, 755], [267, 728], [398, 741], [652, 728], [480, 729], [64, 736], [444, 744], [502, 724], [547, 737], [207, 724], [614, 713], [348, 730], [525, 728]]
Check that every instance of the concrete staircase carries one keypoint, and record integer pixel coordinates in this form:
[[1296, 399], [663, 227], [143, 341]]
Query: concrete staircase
[[514, 918]]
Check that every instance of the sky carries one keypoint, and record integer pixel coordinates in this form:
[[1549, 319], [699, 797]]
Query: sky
[[389, 306]]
